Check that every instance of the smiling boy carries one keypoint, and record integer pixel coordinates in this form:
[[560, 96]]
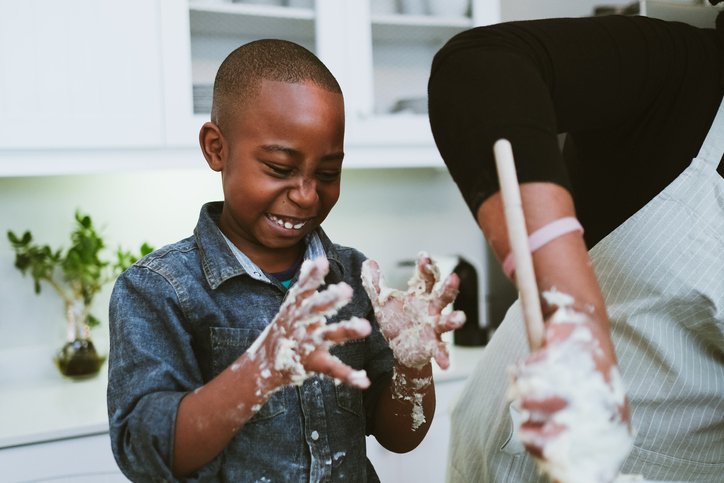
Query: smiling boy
[[226, 362]]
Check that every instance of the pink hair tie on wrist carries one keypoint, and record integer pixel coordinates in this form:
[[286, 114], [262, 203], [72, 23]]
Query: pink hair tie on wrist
[[543, 235]]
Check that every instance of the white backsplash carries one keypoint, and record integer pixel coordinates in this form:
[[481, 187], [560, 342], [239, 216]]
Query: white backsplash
[[388, 214]]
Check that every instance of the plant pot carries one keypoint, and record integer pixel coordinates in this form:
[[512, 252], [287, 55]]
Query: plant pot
[[78, 359]]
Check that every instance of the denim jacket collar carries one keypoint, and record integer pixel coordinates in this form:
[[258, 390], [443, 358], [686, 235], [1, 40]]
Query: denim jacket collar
[[219, 262]]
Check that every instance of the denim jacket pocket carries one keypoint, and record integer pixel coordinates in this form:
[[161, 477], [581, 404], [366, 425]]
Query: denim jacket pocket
[[351, 353], [227, 344], [349, 399]]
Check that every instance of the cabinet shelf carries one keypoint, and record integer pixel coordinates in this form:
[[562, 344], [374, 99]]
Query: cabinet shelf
[[217, 29], [395, 27], [253, 10], [252, 20], [422, 20]]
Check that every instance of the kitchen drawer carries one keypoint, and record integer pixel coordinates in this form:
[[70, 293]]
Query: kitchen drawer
[[81, 459]]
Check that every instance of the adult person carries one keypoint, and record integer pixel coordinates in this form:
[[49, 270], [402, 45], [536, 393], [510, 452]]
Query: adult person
[[640, 101]]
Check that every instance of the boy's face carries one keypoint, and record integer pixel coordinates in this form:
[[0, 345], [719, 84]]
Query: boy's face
[[281, 161]]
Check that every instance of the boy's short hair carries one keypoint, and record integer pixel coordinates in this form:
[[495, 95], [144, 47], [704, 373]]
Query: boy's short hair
[[239, 77]]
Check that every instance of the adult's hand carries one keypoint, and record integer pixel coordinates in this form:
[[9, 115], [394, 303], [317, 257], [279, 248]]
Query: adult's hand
[[575, 417]]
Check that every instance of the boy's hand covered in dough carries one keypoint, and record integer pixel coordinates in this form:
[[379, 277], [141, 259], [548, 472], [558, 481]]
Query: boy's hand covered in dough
[[412, 321], [296, 343]]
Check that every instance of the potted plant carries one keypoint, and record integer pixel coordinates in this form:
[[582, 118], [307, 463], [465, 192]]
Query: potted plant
[[77, 275]]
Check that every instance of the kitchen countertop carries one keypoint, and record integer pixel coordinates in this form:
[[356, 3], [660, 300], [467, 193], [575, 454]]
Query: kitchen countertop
[[462, 362], [38, 404]]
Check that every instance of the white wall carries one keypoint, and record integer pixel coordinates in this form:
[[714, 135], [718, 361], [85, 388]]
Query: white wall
[[388, 214]]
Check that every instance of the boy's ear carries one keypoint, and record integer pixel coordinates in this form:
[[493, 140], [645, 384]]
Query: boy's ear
[[212, 145]]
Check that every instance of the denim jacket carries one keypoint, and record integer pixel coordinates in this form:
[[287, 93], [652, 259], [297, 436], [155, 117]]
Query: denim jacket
[[182, 314]]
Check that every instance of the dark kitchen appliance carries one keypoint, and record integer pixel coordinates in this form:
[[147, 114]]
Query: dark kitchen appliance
[[471, 334], [498, 292]]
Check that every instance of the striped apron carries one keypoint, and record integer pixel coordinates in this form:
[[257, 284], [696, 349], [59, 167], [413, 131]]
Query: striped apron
[[662, 275]]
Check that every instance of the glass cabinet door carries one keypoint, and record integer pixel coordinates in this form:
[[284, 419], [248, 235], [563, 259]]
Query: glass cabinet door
[[218, 27], [379, 50], [403, 37]]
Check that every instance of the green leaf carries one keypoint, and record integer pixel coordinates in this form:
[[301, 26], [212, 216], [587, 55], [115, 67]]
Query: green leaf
[[125, 258], [22, 262], [146, 249], [79, 272], [93, 321]]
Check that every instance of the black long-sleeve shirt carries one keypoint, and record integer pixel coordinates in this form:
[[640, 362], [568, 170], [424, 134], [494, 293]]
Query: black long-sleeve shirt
[[636, 96]]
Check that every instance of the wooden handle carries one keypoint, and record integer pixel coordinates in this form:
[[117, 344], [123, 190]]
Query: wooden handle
[[518, 239]]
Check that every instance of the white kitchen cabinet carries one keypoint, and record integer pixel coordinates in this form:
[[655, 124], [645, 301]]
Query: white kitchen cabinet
[[394, 53], [100, 85], [381, 58], [81, 459], [79, 74], [197, 35], [102, 74]]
